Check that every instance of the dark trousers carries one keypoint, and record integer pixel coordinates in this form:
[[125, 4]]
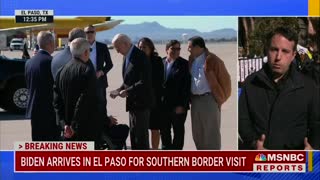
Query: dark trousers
[[118, 135], [139, 124], [44, 132], [87, 132], [114, 138], [171, 119], [102, 95]]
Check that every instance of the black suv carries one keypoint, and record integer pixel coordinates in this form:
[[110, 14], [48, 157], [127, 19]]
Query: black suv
[[13, 91]]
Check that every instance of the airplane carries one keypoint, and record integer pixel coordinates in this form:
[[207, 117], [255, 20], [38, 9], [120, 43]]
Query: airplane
[[61, 25]]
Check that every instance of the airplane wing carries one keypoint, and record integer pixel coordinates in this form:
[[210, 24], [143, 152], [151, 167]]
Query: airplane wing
[[108, 24], [32, 27]]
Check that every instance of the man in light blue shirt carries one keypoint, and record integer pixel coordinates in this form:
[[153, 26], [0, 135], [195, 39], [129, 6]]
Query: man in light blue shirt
[[210, 88], [199, 83]]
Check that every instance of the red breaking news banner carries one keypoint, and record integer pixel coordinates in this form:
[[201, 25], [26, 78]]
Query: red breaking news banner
[[235, 161]]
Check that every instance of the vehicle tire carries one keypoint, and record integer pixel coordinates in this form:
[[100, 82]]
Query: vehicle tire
[[15, 96], [1, 99]]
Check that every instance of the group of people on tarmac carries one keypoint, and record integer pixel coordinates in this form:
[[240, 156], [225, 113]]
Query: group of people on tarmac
[[67, 92]]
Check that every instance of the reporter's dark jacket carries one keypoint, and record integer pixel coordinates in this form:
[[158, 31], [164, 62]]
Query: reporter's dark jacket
[[285, 113]]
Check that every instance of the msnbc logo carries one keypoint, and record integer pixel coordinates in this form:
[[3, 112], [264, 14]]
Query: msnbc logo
[[260, 157]]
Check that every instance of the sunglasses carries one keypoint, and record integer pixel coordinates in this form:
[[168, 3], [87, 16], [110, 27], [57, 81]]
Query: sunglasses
[[90, 32], [175, 49]]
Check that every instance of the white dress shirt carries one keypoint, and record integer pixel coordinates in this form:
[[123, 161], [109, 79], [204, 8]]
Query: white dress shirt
[[93, 55]]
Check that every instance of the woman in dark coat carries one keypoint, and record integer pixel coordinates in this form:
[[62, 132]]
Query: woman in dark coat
[[147, 46]]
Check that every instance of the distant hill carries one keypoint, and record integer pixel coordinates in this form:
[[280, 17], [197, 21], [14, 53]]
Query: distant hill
[[157, 32]]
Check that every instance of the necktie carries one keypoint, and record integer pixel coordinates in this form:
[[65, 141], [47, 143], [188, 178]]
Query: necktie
[[127, 63]]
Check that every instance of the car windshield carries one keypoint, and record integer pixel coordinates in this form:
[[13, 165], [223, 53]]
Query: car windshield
[[16, 41]]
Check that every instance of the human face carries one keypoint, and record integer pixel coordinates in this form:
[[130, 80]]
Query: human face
[[195, 51], [280, 54], [121, 48], [90, 34], [145, 48], [174, 51]]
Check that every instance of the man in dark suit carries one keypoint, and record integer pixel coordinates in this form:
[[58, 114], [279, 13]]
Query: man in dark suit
[[64, 56], [40, 84], [137, 88], [101, 60], [176, 97]]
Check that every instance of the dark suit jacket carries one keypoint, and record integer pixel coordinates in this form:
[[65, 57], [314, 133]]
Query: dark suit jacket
[[104, 62], [75, 98], [137, 81], [40, 89], [59, 60], [177, 85]]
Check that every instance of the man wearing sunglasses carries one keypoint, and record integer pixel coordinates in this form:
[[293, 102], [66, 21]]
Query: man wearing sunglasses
[[176, 96], [101, 60]]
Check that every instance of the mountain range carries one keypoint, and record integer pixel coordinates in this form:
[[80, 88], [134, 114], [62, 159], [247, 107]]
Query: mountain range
[[157, 32]]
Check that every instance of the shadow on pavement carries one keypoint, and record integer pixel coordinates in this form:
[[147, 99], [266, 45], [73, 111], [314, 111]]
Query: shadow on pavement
[[8, 116]]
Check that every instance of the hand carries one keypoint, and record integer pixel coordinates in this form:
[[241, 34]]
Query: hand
[[68, 131], [99, 73], [114, 94], [179, 110], [113, 121], [123, 93], [307, 146], [260, 142]]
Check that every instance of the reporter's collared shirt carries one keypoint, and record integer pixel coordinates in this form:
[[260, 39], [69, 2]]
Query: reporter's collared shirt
[[199, 82], [93, 55]]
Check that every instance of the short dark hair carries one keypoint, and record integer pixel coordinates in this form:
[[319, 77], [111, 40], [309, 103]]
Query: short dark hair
[[288, 33], [76, 33], [172, 43], [197, 41]]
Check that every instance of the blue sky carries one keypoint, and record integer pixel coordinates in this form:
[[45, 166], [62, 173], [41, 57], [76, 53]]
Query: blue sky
[[200, 23]]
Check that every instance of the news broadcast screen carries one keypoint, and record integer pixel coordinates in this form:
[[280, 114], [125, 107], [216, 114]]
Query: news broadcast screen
[[159, 89]]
